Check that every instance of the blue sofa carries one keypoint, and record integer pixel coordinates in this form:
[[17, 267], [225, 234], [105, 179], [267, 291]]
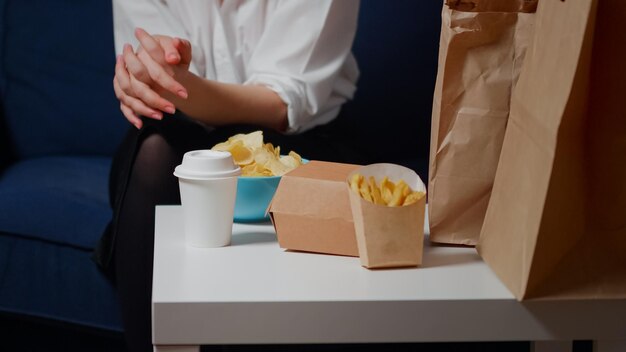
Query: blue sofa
[[60, 125]]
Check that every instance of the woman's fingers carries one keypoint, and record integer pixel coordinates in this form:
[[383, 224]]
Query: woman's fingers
[[149, 97], [134, 65], [138, 106], [122, 78], [160, 76], [131, 116], [161, 52], [183, 47], [136, 79], [137, 87], [170, 50], [153, 47], [127, 89], [121, 82]]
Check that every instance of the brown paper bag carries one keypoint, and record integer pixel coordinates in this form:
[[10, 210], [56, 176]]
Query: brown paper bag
[[556, 222], [481, 50], [389, 237]]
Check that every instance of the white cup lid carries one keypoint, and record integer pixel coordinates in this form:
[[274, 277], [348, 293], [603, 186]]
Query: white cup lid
[[206, 164]]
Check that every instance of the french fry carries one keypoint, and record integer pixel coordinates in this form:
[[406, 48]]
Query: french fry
[[355, 182], [376, 195], [387, 193], [413, 197]]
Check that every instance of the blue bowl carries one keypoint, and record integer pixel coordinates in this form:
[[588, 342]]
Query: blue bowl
[[254, 194]]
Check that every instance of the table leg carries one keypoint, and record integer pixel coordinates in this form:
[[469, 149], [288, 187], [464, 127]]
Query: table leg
[[161, 348], [551, 346], [609, 346]]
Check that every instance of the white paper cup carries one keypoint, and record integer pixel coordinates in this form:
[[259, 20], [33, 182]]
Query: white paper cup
[[208, 188]]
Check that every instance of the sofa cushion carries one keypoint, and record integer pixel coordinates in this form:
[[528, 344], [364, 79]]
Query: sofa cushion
[[52, 212], [57, 199], [47, 280], [57, 61]]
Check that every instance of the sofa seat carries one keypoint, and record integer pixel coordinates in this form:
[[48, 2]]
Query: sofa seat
[[52, 212], [58, 110]]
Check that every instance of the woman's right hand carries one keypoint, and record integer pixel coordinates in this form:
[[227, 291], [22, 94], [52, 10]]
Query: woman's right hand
[[144, 79]]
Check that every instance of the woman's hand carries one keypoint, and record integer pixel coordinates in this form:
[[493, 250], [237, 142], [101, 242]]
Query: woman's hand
[[143, 80], [156, 79]]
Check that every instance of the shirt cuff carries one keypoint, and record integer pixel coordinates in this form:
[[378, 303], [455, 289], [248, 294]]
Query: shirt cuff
[[292, 93]]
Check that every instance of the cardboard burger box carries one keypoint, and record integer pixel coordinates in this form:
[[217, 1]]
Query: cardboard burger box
[[311, 209]]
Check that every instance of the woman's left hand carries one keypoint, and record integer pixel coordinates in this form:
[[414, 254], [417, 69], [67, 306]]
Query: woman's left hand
[[142, 79]]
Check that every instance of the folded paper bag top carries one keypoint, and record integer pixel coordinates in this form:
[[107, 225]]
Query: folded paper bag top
[[388, 236]]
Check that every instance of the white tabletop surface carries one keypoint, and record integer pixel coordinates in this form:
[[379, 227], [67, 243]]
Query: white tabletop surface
[[255, 292]]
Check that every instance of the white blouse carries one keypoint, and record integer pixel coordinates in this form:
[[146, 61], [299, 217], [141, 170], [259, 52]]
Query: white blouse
[[301, 49]]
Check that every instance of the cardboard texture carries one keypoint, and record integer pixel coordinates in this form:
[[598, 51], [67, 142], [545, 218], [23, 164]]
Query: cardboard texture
[[311, 209], [556, 222], [482, 47], [386, 236]]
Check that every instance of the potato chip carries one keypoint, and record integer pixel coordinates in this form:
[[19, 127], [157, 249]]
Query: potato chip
[[277, 168], [248, 169], [257, 158], [222, 147], [388, 193], [296, 156], [241, 154], [252, 140], [289, 161], [262, 156], [277, 152]]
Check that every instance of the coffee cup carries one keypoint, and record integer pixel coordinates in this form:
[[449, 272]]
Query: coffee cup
[[208, 188]]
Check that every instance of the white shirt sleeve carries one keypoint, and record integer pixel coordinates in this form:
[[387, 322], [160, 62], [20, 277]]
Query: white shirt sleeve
[[302, 55], [156, 18]]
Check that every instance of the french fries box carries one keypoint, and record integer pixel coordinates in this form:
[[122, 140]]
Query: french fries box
[[388, 236], [311, 209]]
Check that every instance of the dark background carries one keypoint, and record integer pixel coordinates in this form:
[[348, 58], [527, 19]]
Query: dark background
[[396, 47]]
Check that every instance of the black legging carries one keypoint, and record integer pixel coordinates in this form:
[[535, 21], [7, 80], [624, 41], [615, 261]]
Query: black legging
[[141, 177]]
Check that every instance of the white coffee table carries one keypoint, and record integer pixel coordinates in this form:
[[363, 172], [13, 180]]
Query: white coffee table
[[254, 292]]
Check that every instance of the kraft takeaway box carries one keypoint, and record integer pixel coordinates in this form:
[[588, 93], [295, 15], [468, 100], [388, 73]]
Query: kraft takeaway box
[[389, 236], [311, 209]]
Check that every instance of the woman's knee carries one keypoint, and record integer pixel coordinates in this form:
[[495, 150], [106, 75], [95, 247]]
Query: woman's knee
[[152, 171]]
